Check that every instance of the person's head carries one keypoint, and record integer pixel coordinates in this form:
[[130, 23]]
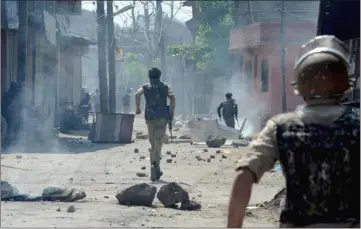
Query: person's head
[[321, 71], [154, 73], [228, 95]]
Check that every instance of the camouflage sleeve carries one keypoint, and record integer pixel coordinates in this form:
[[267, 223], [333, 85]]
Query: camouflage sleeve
[[262, 153], [140, 91]]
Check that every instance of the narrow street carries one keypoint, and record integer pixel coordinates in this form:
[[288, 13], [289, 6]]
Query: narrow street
[[102, 170]]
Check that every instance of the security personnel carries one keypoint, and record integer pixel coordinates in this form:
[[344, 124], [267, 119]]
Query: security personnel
[[157, 114], [229, 110], [318, 146]]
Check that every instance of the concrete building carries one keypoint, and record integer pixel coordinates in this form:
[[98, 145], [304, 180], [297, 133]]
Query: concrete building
[[255, 48]]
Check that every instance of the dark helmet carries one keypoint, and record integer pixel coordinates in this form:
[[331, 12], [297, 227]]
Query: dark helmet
[[321, 69], [154, 73], [228, 95]]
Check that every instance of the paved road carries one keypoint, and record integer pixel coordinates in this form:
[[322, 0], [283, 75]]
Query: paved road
[[103, 170]]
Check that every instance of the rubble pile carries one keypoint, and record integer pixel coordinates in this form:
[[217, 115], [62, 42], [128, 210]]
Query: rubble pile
[[9, 192]]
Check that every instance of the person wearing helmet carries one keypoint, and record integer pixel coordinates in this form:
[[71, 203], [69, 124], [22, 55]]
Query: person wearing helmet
[[157, 114], [318, 146], [229, 110]]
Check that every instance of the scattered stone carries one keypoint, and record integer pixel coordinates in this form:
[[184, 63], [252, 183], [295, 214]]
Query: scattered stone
[[188, 205], [71, 209], [208, 160], [7, 190], [173, 155], [58, 209], [168, 152], [218, 152], [62, 194], [106, 197], [240, 143], [141, 174], [143, 168], [142, 157], [224, 156], [137, 195], [19, 156], [171, 194], [136, 150], [212, 156], [175, 129], [169, 160], [215, 141], [71, 179], [185, 137], [205, 150], [140, 135]]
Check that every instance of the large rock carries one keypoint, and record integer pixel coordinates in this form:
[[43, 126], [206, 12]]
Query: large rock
[[188, 205], [8, 191], [240, 143], [62, 194], [137, 195], [171, 194], [215, 141], [185, 137]]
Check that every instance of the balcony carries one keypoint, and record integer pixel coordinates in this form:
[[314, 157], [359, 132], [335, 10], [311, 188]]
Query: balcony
[[254, 35]]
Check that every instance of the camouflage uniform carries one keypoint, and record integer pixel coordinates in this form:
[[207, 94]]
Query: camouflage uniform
[[156, 116], [318, 146]]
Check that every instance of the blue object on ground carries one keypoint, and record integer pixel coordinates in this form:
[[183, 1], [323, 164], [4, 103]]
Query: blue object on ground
[[278, 168]]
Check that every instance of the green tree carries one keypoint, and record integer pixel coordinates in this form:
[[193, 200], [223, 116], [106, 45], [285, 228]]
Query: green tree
[[210, 49], [137, 71]]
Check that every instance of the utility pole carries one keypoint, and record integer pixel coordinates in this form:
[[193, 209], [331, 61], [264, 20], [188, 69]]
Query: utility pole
[[22, 49], [161, 40], [283, 57], [183, 81], [111, 56], [102, 68]]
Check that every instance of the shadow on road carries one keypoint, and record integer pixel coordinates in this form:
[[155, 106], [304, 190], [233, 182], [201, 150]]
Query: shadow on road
[[60, 145]]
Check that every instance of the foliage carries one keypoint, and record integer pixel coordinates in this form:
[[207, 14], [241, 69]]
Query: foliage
[[210, 50], [136, 70]]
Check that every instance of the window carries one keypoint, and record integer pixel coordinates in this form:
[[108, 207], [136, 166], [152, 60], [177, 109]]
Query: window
[[255, 66], [264, 76], [249, 71], [241, 64]]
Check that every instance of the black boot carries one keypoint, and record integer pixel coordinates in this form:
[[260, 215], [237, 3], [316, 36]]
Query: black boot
[[159, 172], [153, 173]]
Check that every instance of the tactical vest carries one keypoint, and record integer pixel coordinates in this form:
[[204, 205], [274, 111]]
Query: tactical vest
[[156, 101], [228, 109], [322, 169]]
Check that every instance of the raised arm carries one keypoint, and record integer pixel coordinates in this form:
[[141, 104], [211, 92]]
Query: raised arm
[[219, 110], [138, 95], [261, 157]]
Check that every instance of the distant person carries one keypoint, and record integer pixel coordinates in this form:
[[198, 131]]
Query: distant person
[[95, 98], [157, 114], [85, 107], [229, 110], [126, 102]]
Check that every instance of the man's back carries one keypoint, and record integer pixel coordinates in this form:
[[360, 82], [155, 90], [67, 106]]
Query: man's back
[[321, 162]]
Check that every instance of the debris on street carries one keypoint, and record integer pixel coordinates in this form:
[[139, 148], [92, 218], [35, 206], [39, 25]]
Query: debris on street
[[171, 194], [137, 195], [215, 141]]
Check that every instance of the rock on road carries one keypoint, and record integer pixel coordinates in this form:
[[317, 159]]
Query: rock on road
[[101, 170]]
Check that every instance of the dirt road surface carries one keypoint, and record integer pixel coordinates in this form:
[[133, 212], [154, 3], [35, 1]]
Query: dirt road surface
[[101, 170]]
